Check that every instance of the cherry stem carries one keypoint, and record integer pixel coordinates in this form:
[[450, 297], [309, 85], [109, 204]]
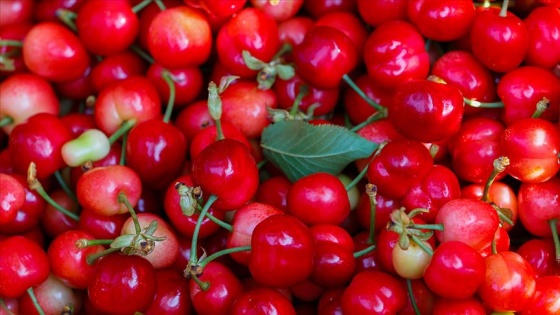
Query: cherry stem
[[219, 222], [503, 11], [494, 246], [11, 43], [90, 259], [222, 253], [203, 285], [35, 302], [410, 294], [433, 227], [555, 238], [421, 244], [6, 64], [6, 121], [141, 6], [84, 242], [123, 199], [500, 165], [356, 180], [122, 160], [5, 308], [375, 117], [166, 75], [201, 216], [505, 219], [478, 104], [68, 17], [261, 164], [302, 92], [64, 186], [371, 191], [363, 95], [124, 128], [364, 251], [542, 106], [140, 52], [160, 5]]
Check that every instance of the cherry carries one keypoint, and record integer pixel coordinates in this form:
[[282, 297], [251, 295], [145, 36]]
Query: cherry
[[532, 146], [187, 81], [332, 234], [12, 60], [24, 265], [318, 198], [55, 53], [12, 198], [281, 11], [395, 53], [442, 20], [222, 9], [48, 134], [101, 226], [274, 191], [542, 25], [172, 294], [547, 294], [509, 283], [423, 297], [292, 31], [330, 302], [520, 96], [179, 37], [357, 108], [539, 253], [333, 54], [378, 131], [227, 170], [28, 215], [349, 24], [53, 221], [47, 10], [122, 284], [392, 10], [471, 306], [373, 292], [207, 136], [53, 296], [538, 205], [193, 118], [107, 19], [322, 7], [499, 39], [281, 251], [262, 300], [334, 265], [14, 11], [426, 111], [250, 30], [116, 67]]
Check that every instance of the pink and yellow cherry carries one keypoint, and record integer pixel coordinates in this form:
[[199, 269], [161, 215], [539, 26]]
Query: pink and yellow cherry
[[99, 188], [12, 198], [500, 194], [92, 145], [532, 146], [24, 95]]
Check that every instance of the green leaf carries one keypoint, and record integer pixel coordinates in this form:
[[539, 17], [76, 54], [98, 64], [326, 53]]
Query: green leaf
[[300, 149]]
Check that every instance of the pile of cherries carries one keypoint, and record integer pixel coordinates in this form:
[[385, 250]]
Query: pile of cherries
[[133, 179]]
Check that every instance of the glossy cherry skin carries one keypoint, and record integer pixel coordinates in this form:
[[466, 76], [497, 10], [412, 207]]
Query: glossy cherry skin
[[426, 111], [39, 140], [424, 298], [324, 56], [501, 194], [132, 98], [473, 222], [12, 197], [543, 26], [179, 37], [474, 148], [357, 108], [349, 24], [114, 180], [101, 226], [373, 292], [334, 265], [14, 11], [383, 210], [547, 295], [227, 170], [122, 284], [224, 288], [499, 43], [221, 9], [116, 67], [55, 222], [392, 10], [379, 131], [46, 10], [395, 53], [399, 165], [532, 146], [55, 53], [172, 294], [318, 198], [274, 191], [442, 20], [282, 251], [262, 300], [322, 7], [250, 29], [207, 135], [455, 262], [23, 265], [193, 118], [29, 215], [17, 32], [520, 95], [53, 296], [156, 151], [293, 30], [471, 306], [187, 81], [68, 262], [539, 253], [539, 203], [281, 11], [107, 19], [509, 283]]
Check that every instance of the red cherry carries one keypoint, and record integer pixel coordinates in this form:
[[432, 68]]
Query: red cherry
[[349, 24], [172, 294], [333, 265], [392, 10], [539, 203], [543, 26], [29, 215], [207, 136], [116, 67], [545, 300], [293, 30], [321, 7], [262, 300], [15, 11], [501, 194], [17, 32], [274, 191], [187, 80], [12, 197], [101, 226], [193, 118], [357, 108], [280, 11], [53, 296], [442, 20], [471, 306], [46, 10], [539, 253], [55, 222]]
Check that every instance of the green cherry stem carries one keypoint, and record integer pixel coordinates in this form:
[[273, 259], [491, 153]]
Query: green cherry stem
[[500, 165], [90, 259], [411, 297], [11, 43], [6, 120], [160, 5], [503, 11], [494, 246], [303, 90], [122, 159], [478, 104], [64, 186], [84, 242], [433, 227], [542, 106], [203, 285], [222, 253], [261, 164], [421, 244], [371, 191], [141, 6], [35, 184], [5, 308], [356, 180], [35, 302], [124, 128], [140, 52], [123, 199], [375, 117], [203, 212], [219, 222], [555, 238], [363, 95], [364, 251], [68, 17], [166, 75], [215, 108]]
